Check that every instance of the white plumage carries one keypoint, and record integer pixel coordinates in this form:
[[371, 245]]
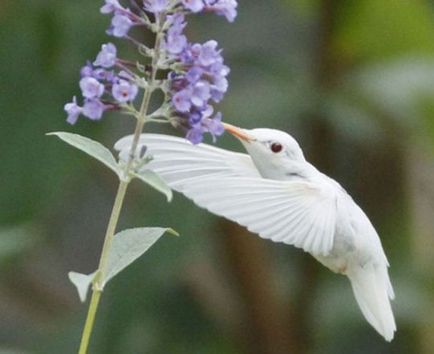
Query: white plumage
[[276, 193]]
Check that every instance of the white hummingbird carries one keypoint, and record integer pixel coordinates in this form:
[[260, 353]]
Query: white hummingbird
[[276, 193]]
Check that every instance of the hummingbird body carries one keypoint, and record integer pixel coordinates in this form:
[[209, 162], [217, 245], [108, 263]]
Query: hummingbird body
[[276, 193]]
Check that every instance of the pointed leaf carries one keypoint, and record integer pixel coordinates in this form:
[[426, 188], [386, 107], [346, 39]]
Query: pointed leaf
[[82, 282], [90, 147], [129, 245], [173, 232], [155, 181]]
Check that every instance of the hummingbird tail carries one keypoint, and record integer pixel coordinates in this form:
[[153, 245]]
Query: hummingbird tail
[[373, 291]]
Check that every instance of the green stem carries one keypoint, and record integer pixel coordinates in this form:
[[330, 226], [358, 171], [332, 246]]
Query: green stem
[[98, 285], [111, 229], [90, 320], [99, 282]]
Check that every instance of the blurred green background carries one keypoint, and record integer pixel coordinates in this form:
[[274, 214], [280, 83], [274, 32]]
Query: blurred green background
[[352, 81]]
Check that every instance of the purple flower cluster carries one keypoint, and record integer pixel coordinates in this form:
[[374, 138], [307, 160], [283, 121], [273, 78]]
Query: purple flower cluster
[[201, 81], [102, 89], [124, 19], [197, 76]]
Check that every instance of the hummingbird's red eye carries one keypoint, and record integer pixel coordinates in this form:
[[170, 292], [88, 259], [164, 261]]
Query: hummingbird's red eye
[[276, 147]]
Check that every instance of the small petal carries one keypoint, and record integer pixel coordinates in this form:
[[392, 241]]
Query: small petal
[[209, 54], [91, 87], [215, 125], [227, 8], [195, 135], [93, 109], [195, 118], [219, 69], [195, 51], [156, 6], [176, 22], [182, 101], [194, 74], [110, 6], [175, 44], [124, 91], [217, 96], [107, 56], [120, 25], [100, 74], [193, 5], [219, 88], [86, 70], [207, 111], [73, 110], [200, 94]]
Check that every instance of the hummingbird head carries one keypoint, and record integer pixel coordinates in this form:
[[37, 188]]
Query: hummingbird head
[[276, 154]]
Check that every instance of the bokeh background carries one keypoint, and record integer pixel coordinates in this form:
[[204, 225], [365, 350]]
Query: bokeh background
[[352, 80]]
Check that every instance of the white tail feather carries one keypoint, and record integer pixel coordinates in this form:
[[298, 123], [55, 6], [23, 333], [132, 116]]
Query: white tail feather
[[373, 291]]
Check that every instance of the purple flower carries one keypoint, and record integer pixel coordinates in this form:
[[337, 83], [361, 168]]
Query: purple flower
[[195, 118], [214, 126], [204, 124], [227, 8], [93, 109], [99, 74], [73, 110], [193, 5], [209, 54], [124, 91], [175, 42], [195, 135], [120, 25], [86, 70], [111, 6], [219, 69], [102, 75], [182, 100], [155, 6], [176, 22], [219, 88], [200, 93], [107, 56], [207, 111], [194, 74], [91, 87], [200, 121], [192, 53]]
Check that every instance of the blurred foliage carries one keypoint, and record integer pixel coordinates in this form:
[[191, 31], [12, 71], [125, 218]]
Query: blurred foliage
[[376, 101]]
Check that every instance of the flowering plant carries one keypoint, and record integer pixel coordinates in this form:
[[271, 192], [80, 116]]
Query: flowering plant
[[192, 78], [195, 74]]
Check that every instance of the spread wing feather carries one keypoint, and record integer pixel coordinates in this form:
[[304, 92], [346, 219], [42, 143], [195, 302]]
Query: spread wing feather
[[228, 184]]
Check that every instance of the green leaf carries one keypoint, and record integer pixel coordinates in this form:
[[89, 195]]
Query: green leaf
[[173, 232], [155, 181], [90, 147], [82, 282], [129, 245]]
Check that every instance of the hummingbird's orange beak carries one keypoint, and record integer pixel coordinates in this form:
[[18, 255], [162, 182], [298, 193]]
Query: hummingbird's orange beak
[[238, 132]]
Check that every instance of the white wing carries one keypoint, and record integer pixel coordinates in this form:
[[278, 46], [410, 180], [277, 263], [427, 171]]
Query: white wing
[[228, 184], [176, 158]]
